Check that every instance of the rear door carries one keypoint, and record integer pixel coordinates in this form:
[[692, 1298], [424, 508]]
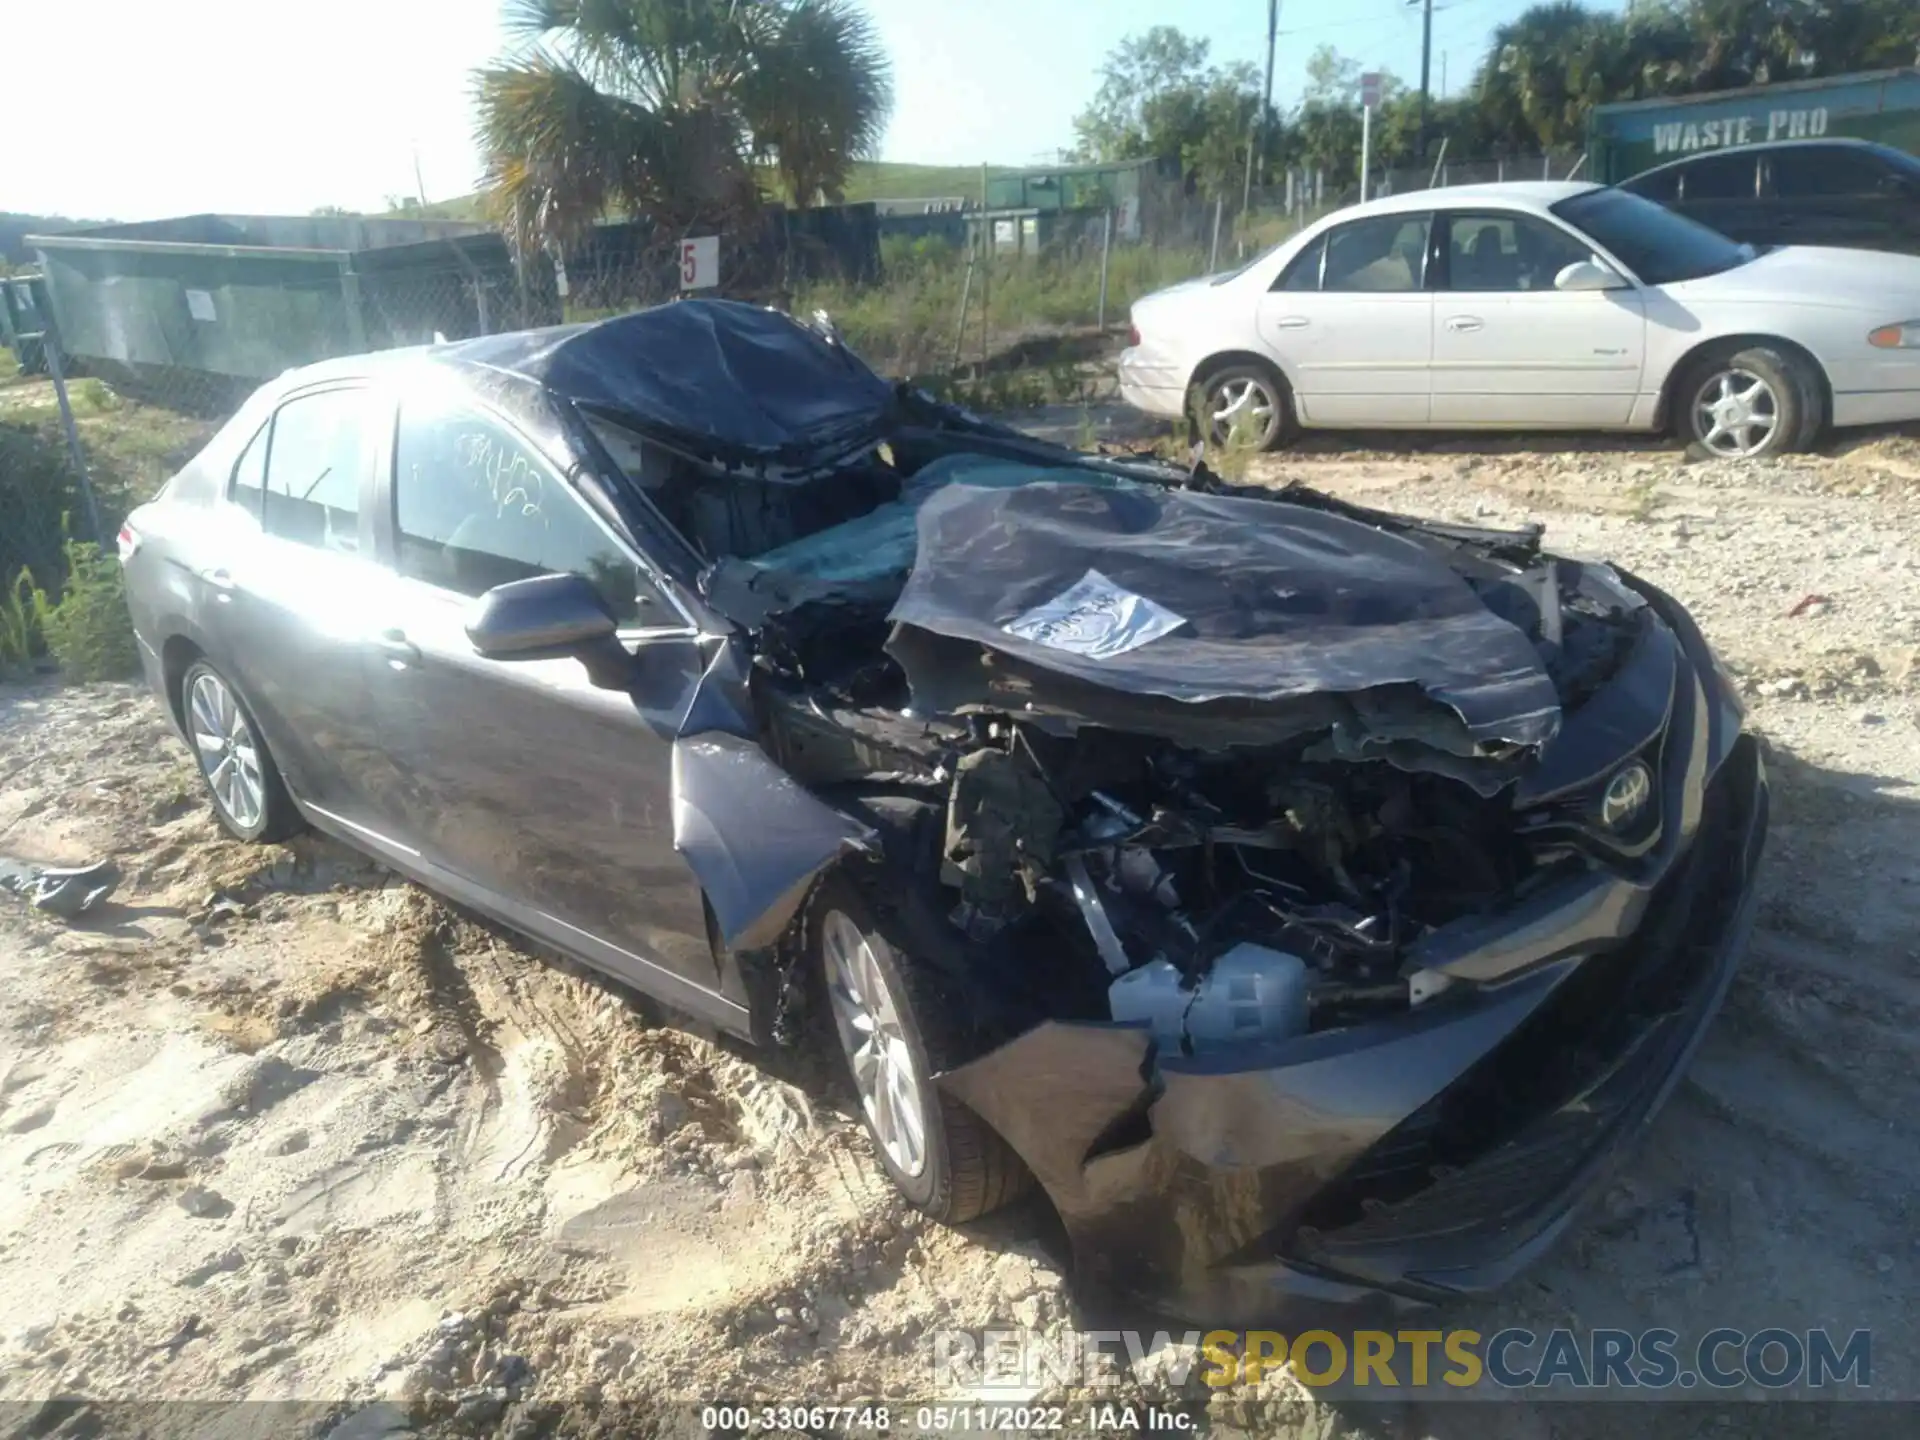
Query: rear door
[[282, 587], [1351, 322], [1511, 349], [518, 782], [1839, 195]]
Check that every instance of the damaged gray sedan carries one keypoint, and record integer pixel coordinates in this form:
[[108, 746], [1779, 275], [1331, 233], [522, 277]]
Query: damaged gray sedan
[[1312, 900]]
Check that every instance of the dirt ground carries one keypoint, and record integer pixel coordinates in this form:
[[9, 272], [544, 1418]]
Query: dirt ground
[[277, 1126]]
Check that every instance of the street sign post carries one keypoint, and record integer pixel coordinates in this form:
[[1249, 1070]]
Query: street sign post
[[1370, 86]]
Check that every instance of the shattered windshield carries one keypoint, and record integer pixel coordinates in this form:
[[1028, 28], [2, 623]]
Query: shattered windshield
[[745, 514]]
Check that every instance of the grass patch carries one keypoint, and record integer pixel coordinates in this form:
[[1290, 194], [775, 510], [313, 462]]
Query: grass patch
[[909, 324], [92, 396]]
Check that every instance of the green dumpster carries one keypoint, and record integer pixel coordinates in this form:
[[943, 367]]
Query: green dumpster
[[236, 299]]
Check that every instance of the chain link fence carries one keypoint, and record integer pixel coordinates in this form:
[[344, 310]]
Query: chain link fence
[[999, 309]]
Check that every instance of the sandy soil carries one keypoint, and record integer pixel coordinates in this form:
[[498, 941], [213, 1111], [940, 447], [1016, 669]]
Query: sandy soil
[[277, 1126]]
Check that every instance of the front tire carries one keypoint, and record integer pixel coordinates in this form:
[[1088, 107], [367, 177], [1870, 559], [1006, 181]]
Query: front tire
[[1749, 403], [896, 1032], [249, 797]]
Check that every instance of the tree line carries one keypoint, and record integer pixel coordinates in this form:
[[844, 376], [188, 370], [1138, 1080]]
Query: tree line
[[692, 112], [1161, 95]]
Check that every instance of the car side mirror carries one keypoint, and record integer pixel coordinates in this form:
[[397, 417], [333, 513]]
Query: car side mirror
[[539, 618], [1589, 275]]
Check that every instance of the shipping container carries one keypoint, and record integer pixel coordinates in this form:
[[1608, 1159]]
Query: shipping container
[[1882, 105]]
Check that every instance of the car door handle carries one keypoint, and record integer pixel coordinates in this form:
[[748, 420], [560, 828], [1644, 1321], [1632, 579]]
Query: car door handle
[[1465, 323], [399, 650], [1291, 322], [221, 580]]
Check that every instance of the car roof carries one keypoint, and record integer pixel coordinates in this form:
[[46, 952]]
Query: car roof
[[720, 374], [1769, 147], [1535, 195]]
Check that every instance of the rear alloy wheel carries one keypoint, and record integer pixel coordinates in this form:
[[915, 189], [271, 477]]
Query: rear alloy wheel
[[247, 791], [1749, 404], [1243, 405]]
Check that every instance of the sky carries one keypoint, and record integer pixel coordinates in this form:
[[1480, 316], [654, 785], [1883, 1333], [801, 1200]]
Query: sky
[[144, 110]]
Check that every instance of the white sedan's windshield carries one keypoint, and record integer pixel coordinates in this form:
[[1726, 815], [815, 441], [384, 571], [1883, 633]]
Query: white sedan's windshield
[[1660, 247]]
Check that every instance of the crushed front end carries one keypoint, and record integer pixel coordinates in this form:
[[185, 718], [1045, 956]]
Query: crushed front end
[[1439, 1146], [1337, 893]]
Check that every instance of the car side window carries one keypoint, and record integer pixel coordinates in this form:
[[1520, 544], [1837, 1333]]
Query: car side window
[[476, 506], [1719, 177], [1385, 254], [1489, 251], [1303, 271], [1661, 185], [316, 455], [1825, 172], [250, 473]]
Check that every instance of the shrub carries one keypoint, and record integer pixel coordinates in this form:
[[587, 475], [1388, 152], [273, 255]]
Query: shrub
[[20, 635], [88, 629]]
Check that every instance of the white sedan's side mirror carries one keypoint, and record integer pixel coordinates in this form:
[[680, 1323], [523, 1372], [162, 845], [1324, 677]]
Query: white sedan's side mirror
[[1589, 275]]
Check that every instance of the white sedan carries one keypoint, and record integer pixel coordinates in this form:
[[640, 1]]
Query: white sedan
[[1534, 306]]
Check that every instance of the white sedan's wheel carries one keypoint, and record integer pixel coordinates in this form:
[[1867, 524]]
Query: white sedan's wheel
[[1742, 404], [1242, 405], [1736, 413]]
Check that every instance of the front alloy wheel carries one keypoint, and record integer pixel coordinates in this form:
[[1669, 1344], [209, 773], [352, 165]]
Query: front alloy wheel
[[867, 1016], [1737, 414], [900, 1022]]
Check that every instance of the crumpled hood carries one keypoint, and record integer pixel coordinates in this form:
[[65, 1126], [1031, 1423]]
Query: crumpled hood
[[1203, 598]]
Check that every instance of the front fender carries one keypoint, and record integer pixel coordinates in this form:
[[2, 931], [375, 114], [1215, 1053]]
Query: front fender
[[754, 838]]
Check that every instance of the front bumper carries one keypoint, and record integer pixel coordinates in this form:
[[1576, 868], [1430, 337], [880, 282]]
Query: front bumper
[[1430, 1155]]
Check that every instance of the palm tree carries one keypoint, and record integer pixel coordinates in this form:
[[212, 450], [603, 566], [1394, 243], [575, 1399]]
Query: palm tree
[[677, 110]]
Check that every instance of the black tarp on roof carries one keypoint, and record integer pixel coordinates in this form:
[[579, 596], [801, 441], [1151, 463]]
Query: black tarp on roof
[[717, 373]]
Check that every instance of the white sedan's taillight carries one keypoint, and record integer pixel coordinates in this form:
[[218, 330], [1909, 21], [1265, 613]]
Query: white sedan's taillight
[[129, 542], [1133, 335]]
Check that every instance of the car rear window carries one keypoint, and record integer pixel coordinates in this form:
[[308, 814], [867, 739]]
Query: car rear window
[[315, 460]]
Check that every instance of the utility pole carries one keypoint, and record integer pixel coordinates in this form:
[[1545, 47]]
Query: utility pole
[[1426, 68], [1259, 141]]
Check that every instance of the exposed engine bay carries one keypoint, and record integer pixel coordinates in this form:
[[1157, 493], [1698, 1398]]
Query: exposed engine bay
[[1244, 865]]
